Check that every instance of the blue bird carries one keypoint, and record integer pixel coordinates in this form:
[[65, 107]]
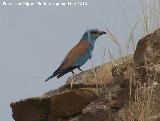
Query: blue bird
[[79, 54]]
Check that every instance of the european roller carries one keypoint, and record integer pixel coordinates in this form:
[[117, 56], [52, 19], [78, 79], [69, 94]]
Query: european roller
[[79, 54]]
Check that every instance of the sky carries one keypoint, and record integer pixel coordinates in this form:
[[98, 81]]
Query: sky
[[35, 40]]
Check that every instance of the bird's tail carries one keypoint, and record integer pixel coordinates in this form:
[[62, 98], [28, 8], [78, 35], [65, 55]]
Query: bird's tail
[[53, 75], [49, 78]]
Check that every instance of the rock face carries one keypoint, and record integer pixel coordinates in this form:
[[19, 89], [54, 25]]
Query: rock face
[[105, 93], [33, 109], [148, 50], [73, 106]]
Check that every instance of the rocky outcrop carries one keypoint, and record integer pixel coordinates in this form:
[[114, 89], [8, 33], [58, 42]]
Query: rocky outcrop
[[73, 106], [104, 93], [33, 109], [148, 50]]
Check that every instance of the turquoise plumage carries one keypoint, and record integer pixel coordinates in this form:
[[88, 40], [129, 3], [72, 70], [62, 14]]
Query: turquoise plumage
[[79, 54]]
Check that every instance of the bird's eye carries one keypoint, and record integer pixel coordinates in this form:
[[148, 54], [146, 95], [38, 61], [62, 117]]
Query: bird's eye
[[93, 32]]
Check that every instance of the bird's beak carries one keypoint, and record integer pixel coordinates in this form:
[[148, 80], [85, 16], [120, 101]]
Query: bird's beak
[[102, 32]]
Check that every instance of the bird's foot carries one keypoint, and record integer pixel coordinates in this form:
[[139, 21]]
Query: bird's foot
[[80, 69], [72, 72]]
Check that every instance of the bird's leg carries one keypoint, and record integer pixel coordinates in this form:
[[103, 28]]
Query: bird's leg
[[72, 72], [80, 69]]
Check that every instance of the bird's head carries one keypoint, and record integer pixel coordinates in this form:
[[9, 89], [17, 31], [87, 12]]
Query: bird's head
[[92, 34]]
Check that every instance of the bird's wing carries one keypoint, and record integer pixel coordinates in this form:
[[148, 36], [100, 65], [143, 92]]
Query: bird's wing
[[74, 53]]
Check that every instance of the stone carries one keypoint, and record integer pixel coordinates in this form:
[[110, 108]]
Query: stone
[[33, 109], [71, 103], [148, 50]]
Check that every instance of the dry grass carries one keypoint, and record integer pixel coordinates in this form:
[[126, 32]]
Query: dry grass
[[116, 41], [145, 107]]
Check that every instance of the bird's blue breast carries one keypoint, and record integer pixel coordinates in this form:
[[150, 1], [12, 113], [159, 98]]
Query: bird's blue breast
[[87, 55]]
